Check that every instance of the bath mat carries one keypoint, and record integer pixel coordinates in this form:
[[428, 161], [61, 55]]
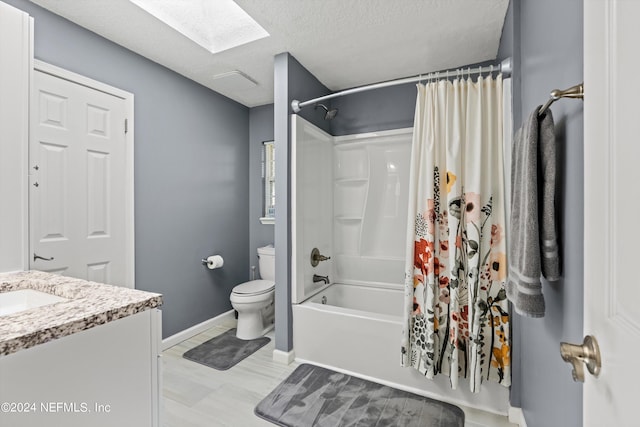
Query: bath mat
[[314, 396], [224, 351]]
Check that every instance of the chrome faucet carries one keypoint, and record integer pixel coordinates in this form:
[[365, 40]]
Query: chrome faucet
[[318, 278]]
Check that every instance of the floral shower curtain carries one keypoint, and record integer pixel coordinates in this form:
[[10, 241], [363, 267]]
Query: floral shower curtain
[[456, 316]]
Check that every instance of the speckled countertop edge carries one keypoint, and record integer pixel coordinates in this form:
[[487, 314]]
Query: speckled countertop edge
[[90, 304]]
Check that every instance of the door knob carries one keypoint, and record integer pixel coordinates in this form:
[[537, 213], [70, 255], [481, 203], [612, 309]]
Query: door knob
[[587, 353]]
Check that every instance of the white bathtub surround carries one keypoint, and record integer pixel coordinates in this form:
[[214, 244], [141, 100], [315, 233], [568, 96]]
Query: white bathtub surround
[[311, 205], [356, 331], [456, 316], [349, 200], [370, 195]]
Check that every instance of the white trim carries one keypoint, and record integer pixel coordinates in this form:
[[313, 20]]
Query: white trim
[[16, 55], [26, 231], [293, 200], [268, 220], [128, 99], [284, 357], [516, 416], [343, 139], [196, 329], [47, 68], [156, 366]]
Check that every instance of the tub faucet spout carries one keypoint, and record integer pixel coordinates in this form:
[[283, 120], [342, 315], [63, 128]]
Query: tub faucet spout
[[318, 278]]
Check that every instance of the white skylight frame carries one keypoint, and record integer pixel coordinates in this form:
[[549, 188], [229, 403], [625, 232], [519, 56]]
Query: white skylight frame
[[216, 25]]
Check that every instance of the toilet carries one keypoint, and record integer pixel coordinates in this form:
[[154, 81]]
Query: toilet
[[254, 300]]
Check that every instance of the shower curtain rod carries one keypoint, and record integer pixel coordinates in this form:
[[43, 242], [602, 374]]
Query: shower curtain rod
[[505, 67]]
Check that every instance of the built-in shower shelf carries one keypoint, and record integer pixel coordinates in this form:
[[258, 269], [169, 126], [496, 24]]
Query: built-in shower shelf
[[348, 218], [351, 181]]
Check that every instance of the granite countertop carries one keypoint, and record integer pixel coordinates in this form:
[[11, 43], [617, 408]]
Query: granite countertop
[[90, 304]]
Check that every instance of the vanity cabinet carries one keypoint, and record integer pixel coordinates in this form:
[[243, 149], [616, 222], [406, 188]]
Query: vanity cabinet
[[105, 376]]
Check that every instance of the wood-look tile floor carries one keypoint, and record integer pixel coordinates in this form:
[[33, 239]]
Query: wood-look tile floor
[[198, 396]]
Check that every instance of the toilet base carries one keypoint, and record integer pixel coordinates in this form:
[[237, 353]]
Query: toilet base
[[254, 323], [250, 328]]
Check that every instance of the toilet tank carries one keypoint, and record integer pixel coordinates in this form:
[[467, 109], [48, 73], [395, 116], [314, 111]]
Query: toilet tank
[[267, 262]]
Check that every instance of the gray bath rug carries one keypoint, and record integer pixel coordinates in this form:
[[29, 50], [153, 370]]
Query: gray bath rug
[[314, 396], [224, 351]]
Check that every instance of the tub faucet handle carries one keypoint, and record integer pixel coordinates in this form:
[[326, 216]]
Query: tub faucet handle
[[316, 257]]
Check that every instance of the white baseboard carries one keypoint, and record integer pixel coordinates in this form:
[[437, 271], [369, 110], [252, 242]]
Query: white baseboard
[[196, 329], [284, 357], [516, 416]]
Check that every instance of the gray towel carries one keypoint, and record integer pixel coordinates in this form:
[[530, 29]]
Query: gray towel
[[533, 247]]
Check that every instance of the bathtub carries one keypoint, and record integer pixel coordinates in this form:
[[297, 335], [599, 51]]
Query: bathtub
[[357, 329]]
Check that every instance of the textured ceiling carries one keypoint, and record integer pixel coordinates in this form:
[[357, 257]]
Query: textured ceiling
[[343, 43]]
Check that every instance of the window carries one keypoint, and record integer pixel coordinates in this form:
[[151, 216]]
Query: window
[[215, 25], [269, 176]]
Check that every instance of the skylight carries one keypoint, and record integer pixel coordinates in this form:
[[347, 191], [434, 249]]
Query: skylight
[[216, 25]]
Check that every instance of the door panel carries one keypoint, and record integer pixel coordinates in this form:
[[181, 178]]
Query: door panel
[[98, 194], [612, 310], [54, 199], [78, 184]]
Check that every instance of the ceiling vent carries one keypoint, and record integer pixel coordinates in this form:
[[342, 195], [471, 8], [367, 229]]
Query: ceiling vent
[[233, 80]]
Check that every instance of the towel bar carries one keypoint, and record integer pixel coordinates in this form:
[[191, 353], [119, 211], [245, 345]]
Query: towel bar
[[576, 92]]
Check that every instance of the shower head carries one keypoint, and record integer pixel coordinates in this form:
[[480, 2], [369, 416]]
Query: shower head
[[328, 114]]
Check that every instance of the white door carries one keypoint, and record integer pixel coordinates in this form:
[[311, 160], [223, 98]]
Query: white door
[[612, 208], [78, 181]]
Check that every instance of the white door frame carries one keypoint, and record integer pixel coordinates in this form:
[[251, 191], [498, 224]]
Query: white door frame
[[16, 55], [127, 97]]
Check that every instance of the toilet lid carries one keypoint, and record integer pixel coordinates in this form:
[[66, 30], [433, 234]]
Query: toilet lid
[[254, 287]]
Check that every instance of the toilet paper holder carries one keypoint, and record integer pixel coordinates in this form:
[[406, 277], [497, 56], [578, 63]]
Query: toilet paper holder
[[212, 262]]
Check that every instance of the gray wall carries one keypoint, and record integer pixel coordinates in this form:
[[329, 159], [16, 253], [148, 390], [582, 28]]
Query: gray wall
[[191, 155], [375, 110], [551, 57], [291, 81], [260, 130]]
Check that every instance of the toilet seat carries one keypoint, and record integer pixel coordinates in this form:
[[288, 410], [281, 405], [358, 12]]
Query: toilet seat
[[253, 288]]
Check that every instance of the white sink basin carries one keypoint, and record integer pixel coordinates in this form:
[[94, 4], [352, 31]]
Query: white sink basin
[[24, 299]]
